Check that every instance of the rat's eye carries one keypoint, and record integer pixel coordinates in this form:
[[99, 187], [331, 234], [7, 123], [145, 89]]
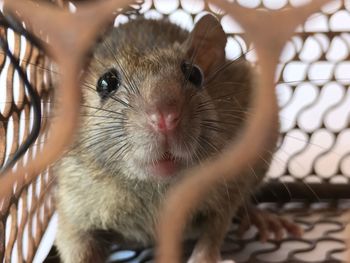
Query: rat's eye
[[108, 83], [193, 73]]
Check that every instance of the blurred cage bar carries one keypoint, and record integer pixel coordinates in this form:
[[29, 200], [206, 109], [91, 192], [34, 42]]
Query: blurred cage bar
[[309, 178], [25, 215]]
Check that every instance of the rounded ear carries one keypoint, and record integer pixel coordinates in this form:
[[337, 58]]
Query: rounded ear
[[206, 44]]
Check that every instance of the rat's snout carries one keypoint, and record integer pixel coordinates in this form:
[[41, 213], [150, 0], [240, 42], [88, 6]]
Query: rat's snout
[[163, 103], [164, 120]]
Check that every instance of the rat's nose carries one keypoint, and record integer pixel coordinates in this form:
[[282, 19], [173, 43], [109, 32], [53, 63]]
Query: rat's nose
[[164, 120]]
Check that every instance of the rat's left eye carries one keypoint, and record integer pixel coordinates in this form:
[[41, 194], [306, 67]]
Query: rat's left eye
[[109, 82], [193, 73]]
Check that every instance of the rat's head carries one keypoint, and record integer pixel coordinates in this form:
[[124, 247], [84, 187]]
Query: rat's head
[[147, 112]]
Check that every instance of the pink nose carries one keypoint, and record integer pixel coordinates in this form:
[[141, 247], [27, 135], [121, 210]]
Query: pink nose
[[164, 120]]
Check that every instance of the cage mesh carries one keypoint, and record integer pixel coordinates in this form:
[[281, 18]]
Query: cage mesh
[[313, 89], [24, 215]]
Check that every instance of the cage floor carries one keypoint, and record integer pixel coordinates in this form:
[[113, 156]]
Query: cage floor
[[324, 238]]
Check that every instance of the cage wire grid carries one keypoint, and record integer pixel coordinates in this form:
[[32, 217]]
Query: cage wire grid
[[313, 159], [31, 208], [24, 223]]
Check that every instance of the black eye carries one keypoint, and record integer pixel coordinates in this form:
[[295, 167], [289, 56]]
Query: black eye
[[108, 83], [193, 73]]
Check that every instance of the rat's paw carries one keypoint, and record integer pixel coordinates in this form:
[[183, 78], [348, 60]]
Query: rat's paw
[[266, 223]]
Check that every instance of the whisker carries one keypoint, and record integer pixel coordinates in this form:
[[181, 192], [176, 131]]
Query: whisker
[[103, 117], [128, 80], [240, 59], [100, 109]]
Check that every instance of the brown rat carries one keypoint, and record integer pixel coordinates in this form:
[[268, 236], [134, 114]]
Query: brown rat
[[156, 100]]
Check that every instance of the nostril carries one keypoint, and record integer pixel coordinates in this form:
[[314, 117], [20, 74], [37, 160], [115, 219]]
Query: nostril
[[171, 120], [163, 121], [157, 121]]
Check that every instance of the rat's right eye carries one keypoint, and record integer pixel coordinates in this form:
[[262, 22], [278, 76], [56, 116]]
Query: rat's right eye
[[109, 82]]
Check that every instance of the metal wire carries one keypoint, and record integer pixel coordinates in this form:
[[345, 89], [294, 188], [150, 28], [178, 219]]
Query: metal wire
[[34, 96]]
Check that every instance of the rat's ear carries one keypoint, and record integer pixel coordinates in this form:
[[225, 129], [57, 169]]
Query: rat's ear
[[206, 44]]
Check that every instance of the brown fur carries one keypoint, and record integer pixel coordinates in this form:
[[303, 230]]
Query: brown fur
[[102, 189]]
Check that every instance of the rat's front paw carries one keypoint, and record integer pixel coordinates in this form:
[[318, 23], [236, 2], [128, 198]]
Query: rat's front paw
[[266, 223]]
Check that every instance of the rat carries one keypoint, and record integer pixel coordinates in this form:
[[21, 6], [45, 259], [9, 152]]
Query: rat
[[157, 100]]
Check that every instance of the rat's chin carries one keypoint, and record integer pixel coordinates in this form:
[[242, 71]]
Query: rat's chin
[[163, 169], [166, 167]]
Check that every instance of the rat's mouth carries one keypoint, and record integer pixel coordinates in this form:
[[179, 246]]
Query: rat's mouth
[[166, 166]]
